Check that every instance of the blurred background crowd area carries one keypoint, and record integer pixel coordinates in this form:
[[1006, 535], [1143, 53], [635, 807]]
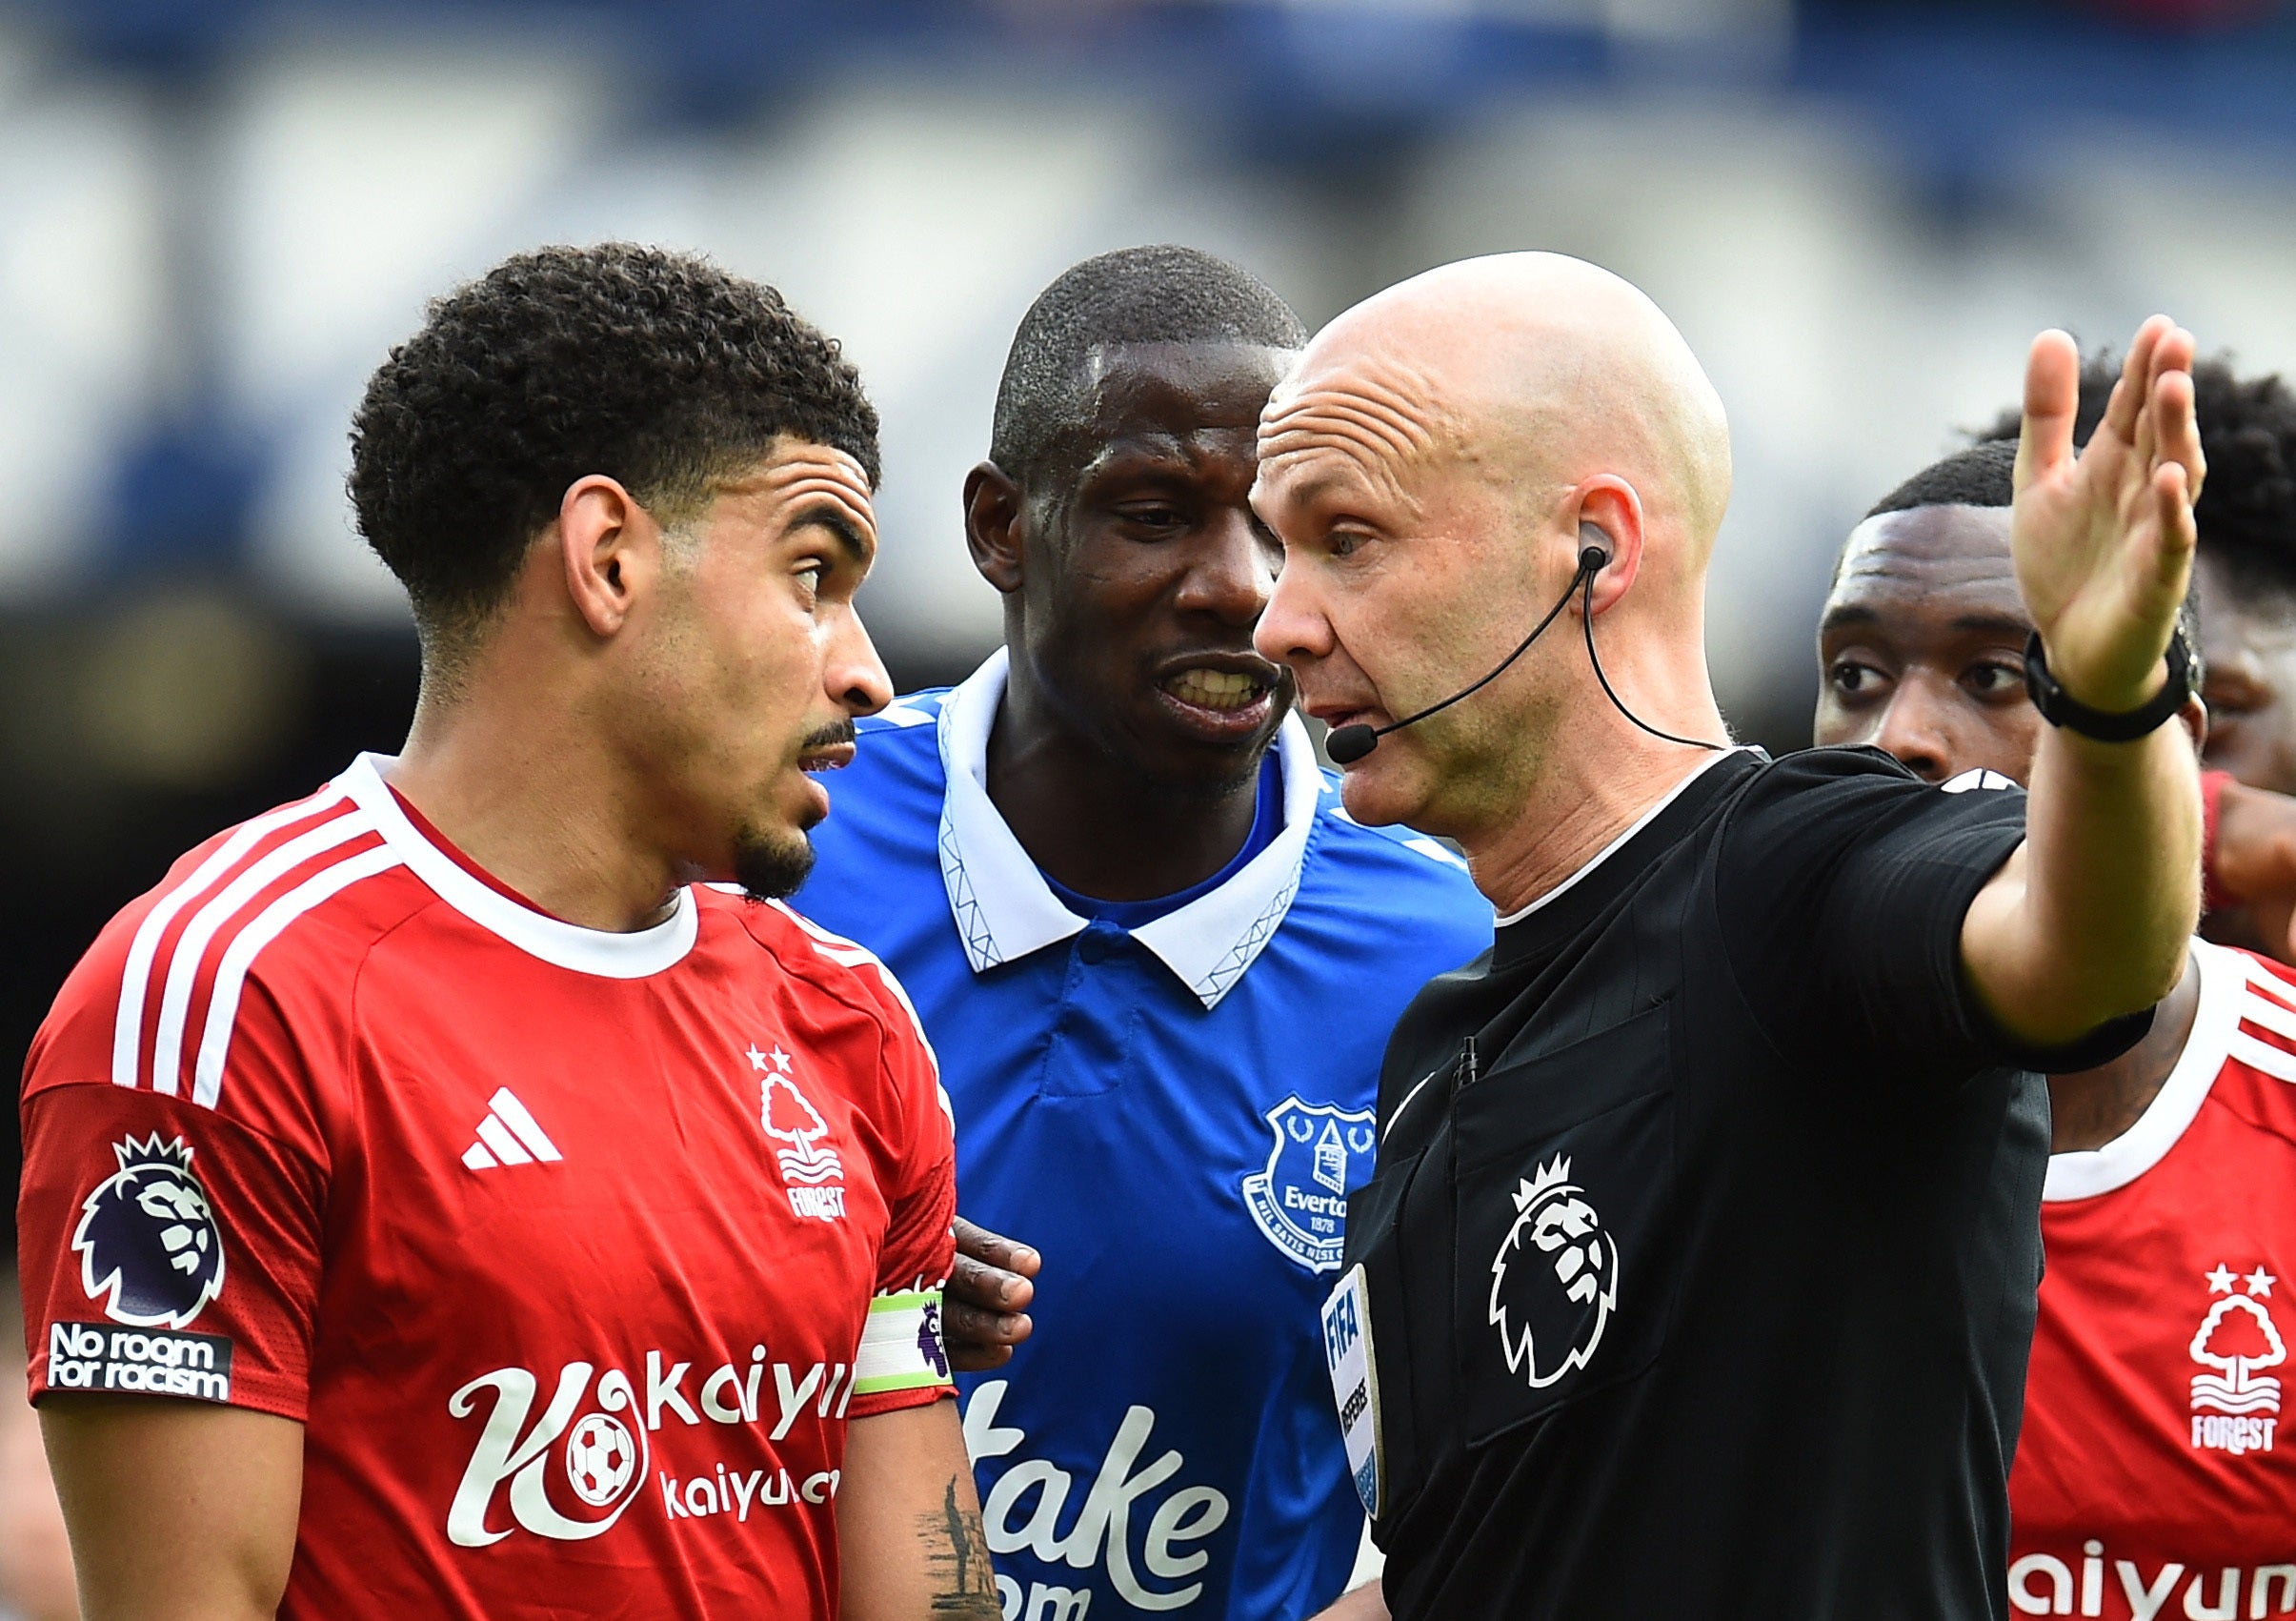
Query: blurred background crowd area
[[215, 215]]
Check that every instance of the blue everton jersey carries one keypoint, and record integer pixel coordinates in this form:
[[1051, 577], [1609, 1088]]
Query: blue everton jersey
[[1172, 1114]]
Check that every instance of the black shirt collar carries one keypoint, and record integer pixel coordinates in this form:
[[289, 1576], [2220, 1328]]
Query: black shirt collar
[[1556, 918]]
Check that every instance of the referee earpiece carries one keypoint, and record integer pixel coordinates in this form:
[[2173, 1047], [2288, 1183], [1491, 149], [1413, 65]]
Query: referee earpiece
[[1594, 550], [1347, 745], [1594, 557]]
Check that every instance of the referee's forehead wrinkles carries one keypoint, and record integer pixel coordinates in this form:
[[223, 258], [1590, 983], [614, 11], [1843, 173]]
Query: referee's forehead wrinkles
[[1378, 417]]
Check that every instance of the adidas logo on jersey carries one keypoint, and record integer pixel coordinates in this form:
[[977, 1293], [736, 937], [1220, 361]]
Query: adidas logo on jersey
[[508, 1136]]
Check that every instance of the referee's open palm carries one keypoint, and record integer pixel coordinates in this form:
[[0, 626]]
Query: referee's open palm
[[2104, 539]]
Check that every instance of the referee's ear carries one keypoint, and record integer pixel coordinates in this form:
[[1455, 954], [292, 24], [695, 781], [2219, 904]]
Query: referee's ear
[[1610, 508], [992, 507]]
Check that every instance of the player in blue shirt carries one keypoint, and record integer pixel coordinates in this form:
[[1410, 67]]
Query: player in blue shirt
[[1157, 962]]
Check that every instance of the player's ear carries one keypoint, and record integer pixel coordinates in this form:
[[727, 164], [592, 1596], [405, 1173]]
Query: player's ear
[[609, 550], [993, 511], [2193, 717]]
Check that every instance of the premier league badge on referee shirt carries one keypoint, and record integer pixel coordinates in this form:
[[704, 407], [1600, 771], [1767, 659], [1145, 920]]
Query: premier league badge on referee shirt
[[1299, 1199], [1554, 1280]]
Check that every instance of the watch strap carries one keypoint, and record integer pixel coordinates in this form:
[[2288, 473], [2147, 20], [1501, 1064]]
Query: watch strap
[[2060, 708]]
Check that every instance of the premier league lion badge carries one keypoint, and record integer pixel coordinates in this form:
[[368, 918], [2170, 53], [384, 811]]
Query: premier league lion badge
[[148, 1241], [1554, 1280], [1300, 1200]]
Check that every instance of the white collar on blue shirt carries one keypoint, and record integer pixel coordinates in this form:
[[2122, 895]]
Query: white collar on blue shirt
[[1005, 910]]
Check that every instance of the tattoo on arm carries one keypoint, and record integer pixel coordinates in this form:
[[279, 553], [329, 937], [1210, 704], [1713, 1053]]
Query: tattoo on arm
[[957, 1552]]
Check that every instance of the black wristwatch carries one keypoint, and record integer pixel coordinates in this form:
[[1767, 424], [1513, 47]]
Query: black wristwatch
[[2060, 708]]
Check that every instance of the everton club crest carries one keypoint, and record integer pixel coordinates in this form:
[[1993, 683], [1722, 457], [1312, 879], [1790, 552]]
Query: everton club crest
[[1300, 1199]]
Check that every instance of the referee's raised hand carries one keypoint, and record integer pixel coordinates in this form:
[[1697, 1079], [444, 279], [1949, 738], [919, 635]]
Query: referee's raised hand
[[2089, 920], [2104, 539]]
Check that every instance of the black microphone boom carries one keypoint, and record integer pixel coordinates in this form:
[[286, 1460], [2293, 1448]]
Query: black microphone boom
[[1349, 743]]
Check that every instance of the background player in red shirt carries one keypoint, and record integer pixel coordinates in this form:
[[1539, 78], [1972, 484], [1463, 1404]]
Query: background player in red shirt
[[517, 1227], [2149, 1478]]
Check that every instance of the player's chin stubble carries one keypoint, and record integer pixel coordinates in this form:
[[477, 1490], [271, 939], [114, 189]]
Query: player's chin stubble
[[772, 866]]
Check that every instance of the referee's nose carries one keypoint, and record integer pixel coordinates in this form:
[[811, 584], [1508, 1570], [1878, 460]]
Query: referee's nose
[[1292, 629]]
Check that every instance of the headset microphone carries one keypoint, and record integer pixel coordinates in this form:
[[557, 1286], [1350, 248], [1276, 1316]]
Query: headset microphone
[[1347, 745]]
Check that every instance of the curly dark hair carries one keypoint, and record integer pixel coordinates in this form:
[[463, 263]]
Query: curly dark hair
[[657, 369], [2246, 514]]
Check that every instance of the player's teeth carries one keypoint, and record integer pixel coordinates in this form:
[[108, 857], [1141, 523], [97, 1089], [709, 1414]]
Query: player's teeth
[[1212, 689]]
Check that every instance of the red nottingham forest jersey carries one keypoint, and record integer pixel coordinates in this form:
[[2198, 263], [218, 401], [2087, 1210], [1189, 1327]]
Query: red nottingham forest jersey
[[2156, 1476], [573, 1251]]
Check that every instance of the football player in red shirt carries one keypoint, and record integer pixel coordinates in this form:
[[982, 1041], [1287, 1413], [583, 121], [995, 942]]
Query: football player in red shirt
[[436, 1201], [2151, 1477]]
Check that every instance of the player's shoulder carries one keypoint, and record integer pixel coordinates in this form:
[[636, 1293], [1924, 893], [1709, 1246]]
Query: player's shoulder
[[1384, 855], [2257, 1021], [890, 793], [828, 965], [916, 715], [260, 928]]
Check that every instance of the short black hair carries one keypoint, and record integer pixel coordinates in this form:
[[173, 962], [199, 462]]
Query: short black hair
[[2246, 514], [1154, 295], [655, 368], [1983, 476]]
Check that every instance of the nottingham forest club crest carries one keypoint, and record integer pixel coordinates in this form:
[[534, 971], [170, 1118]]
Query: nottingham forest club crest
[[1554, 1280], [811, 1173], [2235, 1403], [148, 1241], [1321, 1151]]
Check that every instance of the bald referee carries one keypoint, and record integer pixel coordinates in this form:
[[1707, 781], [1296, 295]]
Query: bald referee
[[1697, 1276]]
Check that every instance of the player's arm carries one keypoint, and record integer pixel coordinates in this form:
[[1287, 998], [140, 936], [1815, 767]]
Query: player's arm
[[2088, 920], [910, 1542], [178, 1511]]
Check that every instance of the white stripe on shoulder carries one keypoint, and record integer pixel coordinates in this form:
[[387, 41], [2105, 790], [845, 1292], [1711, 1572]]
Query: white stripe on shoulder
[[2278, 1063], [231, 979], [128, 1025], [853, 954], [191, 946], [2270, 1015]]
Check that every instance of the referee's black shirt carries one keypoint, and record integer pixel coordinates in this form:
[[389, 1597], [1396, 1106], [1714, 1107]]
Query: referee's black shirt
[[1704, 1287]]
